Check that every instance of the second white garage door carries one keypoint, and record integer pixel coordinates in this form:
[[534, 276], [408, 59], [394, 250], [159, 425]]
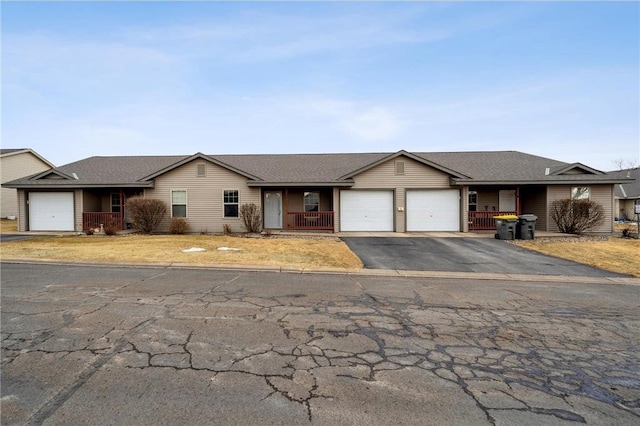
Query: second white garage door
[[366, 210], [433, 210], [51, 211]]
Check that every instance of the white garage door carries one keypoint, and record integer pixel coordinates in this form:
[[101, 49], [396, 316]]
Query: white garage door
[[51, 211], [366, 210], [433, 210]]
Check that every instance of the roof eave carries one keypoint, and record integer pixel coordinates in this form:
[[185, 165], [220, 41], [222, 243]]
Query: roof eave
[[80, 186], [259, 184], [533, 182]]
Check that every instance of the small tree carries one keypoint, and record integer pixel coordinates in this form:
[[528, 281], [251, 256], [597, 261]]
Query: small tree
[[576, 216], [145, 213], [251, 217]]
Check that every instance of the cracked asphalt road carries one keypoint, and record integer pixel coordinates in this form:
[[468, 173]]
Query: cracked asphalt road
[[93, 345]]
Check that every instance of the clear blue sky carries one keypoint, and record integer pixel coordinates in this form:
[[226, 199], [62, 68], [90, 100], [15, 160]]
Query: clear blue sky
[[557, 79]]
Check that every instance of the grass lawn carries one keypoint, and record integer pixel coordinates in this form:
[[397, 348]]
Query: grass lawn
[[616, 254], [7, 226], [307, 253]]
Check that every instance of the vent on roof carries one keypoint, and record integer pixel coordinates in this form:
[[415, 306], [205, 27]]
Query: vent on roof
[[546, 171], [399, 167], [202, 170], [75, 175]]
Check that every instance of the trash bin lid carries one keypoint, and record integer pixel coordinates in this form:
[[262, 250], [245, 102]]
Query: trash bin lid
[[506, 217], [528, 217]]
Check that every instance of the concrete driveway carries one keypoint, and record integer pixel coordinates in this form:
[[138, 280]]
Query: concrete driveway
[[462, 255]]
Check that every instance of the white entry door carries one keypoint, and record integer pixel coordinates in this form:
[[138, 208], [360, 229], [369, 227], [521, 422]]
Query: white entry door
[[51, 211], [273, 210], [507, 200], [366, 210]]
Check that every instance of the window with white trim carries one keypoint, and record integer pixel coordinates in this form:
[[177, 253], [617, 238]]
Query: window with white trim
[[230, 201], [580, 193], [311, 201], [179, 203], [473, 201]]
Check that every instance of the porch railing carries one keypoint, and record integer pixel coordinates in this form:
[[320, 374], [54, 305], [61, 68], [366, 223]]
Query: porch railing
[[95, 219], [312, 221], [479, 221]]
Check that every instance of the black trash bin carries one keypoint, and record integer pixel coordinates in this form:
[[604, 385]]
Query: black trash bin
[[506, 227], [526, 227]]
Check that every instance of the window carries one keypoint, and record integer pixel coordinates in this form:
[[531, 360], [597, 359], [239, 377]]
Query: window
[[230, 203], [178, 203], [399, 167], [116, 207], [473, 201], [580, 193], [311, 201], [202, 170]]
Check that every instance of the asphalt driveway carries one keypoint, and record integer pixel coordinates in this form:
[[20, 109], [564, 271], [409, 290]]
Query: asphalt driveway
[[462, 255]]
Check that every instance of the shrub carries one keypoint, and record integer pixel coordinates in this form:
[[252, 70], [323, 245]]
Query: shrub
[[146, 213], [626, 232], [576, 216], [110, 229], [178, 225], [251, 218], [226, 229]]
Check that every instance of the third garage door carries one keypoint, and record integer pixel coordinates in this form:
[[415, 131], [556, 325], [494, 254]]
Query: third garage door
[[433, 210], [366, 210]]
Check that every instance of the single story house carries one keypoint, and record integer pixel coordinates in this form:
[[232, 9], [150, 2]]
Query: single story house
[[16, 163], [626, 195], [394, 192]]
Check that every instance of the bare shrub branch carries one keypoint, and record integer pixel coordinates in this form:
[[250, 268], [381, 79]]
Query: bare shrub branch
[[576, 216], [146, 213], [251, 217]]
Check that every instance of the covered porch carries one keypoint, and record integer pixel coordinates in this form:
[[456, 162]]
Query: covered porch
[[298, 209], [106, 207], [486, 202]]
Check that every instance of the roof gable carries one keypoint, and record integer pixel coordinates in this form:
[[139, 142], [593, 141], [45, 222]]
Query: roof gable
[[8, 152], [574, 169], [53, 174], [403, 153], [197, 156]]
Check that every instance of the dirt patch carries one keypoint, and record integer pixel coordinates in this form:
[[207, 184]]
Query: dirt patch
[[296, 252], [608, 253]]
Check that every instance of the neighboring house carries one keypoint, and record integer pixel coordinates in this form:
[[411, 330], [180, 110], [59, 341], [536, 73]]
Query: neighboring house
[[626, 195], [14, 164], [395, 192]]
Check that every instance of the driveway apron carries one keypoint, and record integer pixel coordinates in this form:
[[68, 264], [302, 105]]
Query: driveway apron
[[462, 255]]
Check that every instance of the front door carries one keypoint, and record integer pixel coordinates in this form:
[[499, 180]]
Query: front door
[[273, 210]]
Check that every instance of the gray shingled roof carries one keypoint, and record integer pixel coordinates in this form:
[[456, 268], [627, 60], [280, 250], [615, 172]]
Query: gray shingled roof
[[631, 189], [485, 167], [319, 168], [10, 150]]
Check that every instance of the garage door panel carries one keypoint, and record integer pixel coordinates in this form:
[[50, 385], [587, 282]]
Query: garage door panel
[[51, 211], [366, 210], [433, 210]]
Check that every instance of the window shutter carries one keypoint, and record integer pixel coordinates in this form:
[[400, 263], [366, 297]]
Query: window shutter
[[201, 170]]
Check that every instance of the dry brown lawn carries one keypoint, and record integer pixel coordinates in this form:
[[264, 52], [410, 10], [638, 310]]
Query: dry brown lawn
[[616, 254], [295, 252], [8, 226]]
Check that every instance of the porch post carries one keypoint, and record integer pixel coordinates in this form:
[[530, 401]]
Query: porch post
[[286, 208], [517, 200], [121, 209]]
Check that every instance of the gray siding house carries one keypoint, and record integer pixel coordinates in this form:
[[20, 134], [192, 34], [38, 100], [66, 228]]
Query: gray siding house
[[392, 192]]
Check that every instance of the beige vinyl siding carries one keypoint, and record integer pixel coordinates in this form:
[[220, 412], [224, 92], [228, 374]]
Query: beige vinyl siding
[[91, 202], [488, 201], [602, 194], [336, 209], [77, 208], [204, 196], [14, 167], [533, 201], [416, 175], [22, 210], [626, 209], [465, 208]]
